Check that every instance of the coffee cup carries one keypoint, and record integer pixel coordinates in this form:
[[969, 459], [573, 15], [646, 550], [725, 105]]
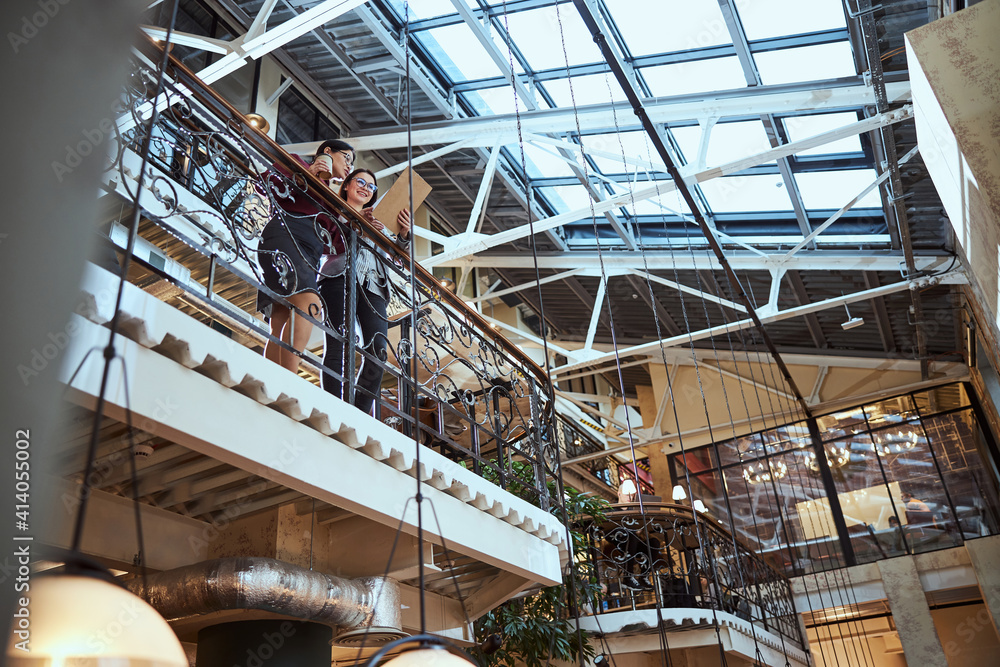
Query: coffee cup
[[325, 163]]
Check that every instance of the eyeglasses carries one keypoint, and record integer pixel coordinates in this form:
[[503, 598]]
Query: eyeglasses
[[362, 183], [348, 155]]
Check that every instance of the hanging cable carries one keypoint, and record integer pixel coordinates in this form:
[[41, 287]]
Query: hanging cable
[[546, 432]]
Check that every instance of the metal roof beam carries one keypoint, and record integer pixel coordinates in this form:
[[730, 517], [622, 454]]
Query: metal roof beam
[[234, 14], [345, 61], [435, 93], [517, 288], [478, 243], [643, 289], [692, 291], [802, 298], [663, 260], [590, 302], [752, 76], [881, 313], [953, 277], [745, 102]]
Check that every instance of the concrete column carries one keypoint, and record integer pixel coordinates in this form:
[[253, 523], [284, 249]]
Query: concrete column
[[985, 555], [921, 644], [953, 73]]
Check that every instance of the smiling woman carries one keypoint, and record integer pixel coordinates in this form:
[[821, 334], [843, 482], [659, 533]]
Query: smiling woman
[[290, 249], [359, 190]]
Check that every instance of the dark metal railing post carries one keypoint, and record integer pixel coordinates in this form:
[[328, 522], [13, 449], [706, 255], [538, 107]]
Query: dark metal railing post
[[846, 547], [539, 439], [350, 307]]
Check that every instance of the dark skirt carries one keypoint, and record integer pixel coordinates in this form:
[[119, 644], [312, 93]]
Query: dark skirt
[[288, 255]]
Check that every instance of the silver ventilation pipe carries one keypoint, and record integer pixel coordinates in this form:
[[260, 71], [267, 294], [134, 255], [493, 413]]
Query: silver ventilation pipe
[[271, 585]]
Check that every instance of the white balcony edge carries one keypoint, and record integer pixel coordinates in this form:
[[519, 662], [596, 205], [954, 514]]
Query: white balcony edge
[[288, 430]]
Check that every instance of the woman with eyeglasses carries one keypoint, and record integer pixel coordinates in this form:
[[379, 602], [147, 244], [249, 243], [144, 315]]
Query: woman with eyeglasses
[[291, 245], [359, 190]]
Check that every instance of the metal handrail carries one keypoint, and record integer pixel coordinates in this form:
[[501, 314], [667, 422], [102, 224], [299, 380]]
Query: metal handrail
[[319, 190], [475, 378], [668, 555]]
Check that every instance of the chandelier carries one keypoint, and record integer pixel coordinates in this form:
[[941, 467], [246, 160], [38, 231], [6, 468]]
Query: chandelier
[[765, 472], [836, 457], [894, 443]]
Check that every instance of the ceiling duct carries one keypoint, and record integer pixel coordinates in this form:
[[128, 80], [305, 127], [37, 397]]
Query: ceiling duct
[[265, 584]]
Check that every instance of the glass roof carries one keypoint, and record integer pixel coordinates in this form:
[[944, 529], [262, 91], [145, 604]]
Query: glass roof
[[663, 28], [678, 54]]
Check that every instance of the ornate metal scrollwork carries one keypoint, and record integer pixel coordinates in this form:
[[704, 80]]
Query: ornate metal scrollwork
[[482, 403], [670, 557]]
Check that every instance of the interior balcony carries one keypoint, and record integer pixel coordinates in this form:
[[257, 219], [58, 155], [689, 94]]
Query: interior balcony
[[672, 579], [244, 468]]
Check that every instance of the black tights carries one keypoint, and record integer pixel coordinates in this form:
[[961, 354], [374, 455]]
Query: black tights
[[374, 327]]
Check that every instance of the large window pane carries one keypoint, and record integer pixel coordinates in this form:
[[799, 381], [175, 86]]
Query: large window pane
[[835, 189], [805, 127], [541, 33], [922, 504], [840, 424], [459, 53], [697, 76], [806, 510], [732, 194], [960, 448]]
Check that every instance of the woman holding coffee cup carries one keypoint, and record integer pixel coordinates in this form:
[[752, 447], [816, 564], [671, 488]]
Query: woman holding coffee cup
[[359, 190], [290, 248]]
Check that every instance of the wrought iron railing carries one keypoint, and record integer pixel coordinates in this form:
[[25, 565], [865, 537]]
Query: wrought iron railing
[[576, 443], [448, 376], [668, 556]]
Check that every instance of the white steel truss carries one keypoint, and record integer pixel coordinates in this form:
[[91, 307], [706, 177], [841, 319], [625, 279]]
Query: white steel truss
[[466, 244], [587, 357], [766, 100], [258, 40]]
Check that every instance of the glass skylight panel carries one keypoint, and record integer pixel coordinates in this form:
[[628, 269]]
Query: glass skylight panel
[[806, 63], [697, 76], [428, 9], [775, 18], [804, 127], [541, 161], [567, 198], [668, 204], [753, 194], [499, 36], [458, 52], [833, 189], [589, 89], [497, 101], [635, 146], [662, 27], [537, 35], [728, 142]]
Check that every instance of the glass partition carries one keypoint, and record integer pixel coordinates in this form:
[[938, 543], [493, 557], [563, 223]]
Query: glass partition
[[906, 475]]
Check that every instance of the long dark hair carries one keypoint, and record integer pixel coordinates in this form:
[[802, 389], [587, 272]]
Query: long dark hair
[[336, 145], [350, 177]]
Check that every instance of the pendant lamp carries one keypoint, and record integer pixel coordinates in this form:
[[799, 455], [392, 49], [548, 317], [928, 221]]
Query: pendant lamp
[[422, 651], [81, 616]]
